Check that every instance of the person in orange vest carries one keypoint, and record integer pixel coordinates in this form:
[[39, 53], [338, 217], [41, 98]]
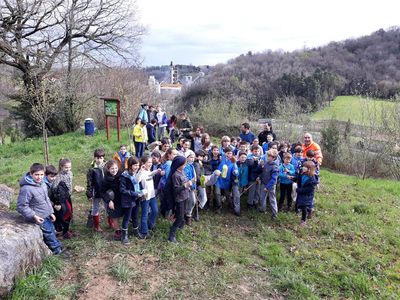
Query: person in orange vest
[[309, 144]]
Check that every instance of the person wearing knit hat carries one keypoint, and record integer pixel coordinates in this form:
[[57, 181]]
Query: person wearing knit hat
[[177, 189]]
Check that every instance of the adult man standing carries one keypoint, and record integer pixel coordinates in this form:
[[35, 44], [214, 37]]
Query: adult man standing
[[246, 135], [309, 144]]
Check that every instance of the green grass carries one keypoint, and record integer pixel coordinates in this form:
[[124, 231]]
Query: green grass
[[349, 250], [359, 110], [39, 284]]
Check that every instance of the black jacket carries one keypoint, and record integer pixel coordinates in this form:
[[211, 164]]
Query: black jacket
[[262, 136], [94, 179]]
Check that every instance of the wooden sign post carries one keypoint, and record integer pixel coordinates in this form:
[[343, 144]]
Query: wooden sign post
[[112, 109]]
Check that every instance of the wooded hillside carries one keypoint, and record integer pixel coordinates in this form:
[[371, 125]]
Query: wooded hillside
[[368, 65]]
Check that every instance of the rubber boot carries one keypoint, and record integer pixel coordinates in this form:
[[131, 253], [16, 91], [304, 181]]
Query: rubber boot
[[110, 222], [137, 233], [124, 237], [172, 235], [96, 223]]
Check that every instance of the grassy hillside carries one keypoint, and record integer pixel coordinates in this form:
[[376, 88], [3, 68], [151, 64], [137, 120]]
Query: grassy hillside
[[359, 110], [349, 250]]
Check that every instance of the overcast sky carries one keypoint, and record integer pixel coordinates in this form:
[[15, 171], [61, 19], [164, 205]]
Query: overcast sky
[[207, 32]]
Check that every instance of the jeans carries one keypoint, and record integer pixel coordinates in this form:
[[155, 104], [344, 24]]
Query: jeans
[[96, 206], [161, 130], [139, 149], [49, 235], [135, 215], [254, 193], [271, 195], [236, 198], [127, 211], [190, 203], [148, 222]]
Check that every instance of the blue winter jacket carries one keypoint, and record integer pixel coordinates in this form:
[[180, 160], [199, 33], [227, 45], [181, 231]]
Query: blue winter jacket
[[305, 191], [225, 183], [190, 173], [166, 167], [130, 189], [33, 199], [243, 176], [283, 177], [269, 174], [296, 162], [254, 168], [143, 115]]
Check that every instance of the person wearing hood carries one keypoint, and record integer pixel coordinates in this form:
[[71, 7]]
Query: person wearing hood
[[177, 190], [121, 157], [34, 205]]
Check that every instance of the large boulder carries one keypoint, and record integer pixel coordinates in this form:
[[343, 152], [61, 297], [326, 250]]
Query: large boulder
[[6, 194], [21, 248]]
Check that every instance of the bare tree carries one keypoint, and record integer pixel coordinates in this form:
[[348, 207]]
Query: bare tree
[[36, 35], [44, 102]]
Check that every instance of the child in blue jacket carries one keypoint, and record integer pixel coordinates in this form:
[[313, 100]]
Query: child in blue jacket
[[269, 177], [287, 174], [190, 173], [306, 184], [227, 166]]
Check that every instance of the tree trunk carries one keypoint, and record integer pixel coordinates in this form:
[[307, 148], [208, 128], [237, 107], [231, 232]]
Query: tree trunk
[[45, 144]]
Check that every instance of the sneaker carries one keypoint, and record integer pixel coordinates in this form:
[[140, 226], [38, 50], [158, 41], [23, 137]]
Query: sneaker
[[188, 221], [273, 217], [237, 214], [172, 240], [250, 206], [310, 214], [144, 236], [203, 181], [302, 223]]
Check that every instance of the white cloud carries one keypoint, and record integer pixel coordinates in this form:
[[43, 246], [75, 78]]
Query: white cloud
[[210, 32]]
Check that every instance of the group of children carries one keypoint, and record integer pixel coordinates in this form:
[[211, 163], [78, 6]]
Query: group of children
[[45, 199], [179, 182]]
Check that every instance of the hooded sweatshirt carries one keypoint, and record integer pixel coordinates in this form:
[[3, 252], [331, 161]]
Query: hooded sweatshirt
[[33, 199]]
